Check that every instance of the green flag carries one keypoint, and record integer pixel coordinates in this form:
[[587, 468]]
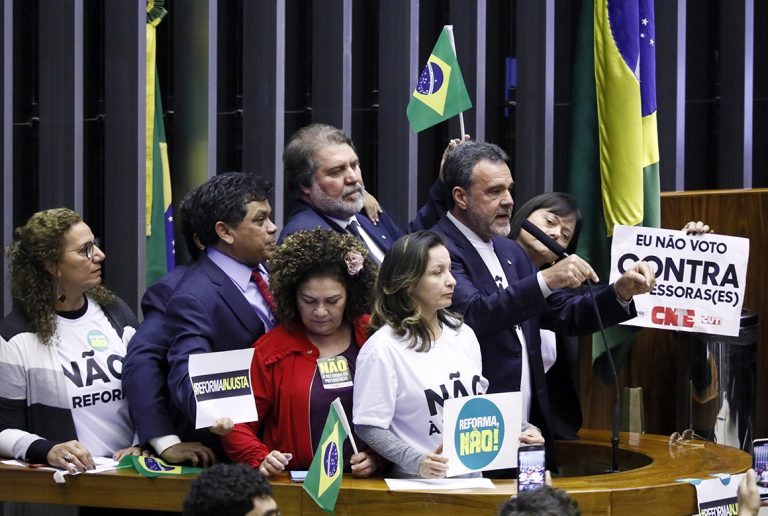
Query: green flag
[[155, 467], [440, 91], [614, 162], [324, 477], [159, 210]]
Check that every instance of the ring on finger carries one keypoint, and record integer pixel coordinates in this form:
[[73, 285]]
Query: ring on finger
[[67, 457]]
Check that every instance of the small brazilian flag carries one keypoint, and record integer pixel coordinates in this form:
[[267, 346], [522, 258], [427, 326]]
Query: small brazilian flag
[[324, 477], [154, 467], [440, 91]]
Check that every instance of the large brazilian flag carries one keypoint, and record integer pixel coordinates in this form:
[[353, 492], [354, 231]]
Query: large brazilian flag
[[159, 210], [614, 147]]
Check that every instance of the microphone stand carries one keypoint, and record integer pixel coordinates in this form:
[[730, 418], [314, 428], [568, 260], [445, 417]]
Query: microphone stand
[[553, 246], [617, 394]]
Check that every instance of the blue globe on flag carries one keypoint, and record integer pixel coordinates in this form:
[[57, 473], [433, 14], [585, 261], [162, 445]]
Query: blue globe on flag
[[331, 459], [431, 79]]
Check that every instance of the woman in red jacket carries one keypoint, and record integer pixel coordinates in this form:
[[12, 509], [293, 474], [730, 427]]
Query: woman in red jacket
[[321, 284]]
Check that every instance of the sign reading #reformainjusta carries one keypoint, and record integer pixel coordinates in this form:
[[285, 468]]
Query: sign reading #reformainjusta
[[481, 433], [221, 382], [700, 279]]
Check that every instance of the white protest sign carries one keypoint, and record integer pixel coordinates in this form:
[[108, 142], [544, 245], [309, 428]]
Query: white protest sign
[[222, 385], [718, 495], [481, 433], [700, 279]]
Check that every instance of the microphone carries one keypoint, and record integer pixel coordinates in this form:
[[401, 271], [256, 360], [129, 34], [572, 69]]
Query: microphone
[[556, 248], [545, 239]]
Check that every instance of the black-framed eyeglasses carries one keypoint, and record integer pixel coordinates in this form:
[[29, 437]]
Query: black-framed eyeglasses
[[86, 249], [688, 437]]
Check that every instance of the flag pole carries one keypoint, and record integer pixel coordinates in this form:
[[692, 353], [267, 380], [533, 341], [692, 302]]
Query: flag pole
[[336, 405], [449, 28]]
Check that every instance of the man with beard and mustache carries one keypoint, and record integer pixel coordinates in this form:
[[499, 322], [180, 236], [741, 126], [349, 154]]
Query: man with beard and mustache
[[501, 294], [323, 170]]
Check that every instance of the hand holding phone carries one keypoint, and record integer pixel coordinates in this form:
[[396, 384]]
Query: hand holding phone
[[760, 465], [531, 467]]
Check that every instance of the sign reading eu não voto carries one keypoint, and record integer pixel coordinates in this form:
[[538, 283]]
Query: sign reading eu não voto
[[221, 383], [481, 433], [700, 279]]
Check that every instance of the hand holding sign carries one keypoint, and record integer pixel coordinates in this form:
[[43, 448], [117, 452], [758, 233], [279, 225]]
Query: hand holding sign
[[222, 426], [434, 465]]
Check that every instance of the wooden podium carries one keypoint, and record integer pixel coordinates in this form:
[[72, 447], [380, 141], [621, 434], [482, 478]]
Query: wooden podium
[[646, 484]]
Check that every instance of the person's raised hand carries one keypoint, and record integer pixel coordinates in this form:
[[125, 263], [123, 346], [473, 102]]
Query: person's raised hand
[[639, 279], [449, 148], [696, 228], [570, 272]]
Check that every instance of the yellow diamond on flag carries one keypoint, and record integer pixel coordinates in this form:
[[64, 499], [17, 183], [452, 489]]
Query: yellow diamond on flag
[[432, 87], [330, 467]]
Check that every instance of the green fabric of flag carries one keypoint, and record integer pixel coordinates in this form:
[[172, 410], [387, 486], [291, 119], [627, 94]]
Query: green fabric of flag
[[440, 91], [159, 209], [614, 172], [323, 480], [155, 467]]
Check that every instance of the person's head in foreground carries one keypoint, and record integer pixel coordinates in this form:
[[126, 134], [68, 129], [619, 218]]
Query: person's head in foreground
[[545, 501], [230, 490]]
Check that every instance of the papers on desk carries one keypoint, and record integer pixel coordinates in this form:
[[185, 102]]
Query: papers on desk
[[102, 464], [437, 484], [298, 476]]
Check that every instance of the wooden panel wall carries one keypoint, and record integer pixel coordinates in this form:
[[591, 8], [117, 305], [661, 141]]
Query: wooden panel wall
[[658, 358]]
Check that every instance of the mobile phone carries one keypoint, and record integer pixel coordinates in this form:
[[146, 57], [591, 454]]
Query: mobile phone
[[760, 465], [531, 467]]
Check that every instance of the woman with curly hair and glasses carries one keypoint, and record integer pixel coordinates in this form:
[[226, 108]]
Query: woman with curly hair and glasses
[[419, 352], [62, 349], [321, 283]]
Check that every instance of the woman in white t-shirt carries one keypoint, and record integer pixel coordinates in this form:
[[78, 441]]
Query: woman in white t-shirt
[[61, 350], [419, 355]]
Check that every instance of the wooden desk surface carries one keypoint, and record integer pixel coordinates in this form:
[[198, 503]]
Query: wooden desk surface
[[650, 488]]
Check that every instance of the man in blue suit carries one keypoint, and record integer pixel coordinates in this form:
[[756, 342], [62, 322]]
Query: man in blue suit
[[499, 291], [323, 171], [145, 368], [221, 303]]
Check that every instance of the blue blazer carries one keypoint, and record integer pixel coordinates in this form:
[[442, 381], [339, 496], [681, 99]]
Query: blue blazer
[[207, 313], [145, 368], [306, 217], [493, 314]]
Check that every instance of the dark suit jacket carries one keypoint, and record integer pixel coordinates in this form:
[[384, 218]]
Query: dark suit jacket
[[305, 217], [493, 313], [145, 368], [207, 313]]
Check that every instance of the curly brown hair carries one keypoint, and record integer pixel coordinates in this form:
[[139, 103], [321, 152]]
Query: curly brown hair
[[39, 242], [319, 253]]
